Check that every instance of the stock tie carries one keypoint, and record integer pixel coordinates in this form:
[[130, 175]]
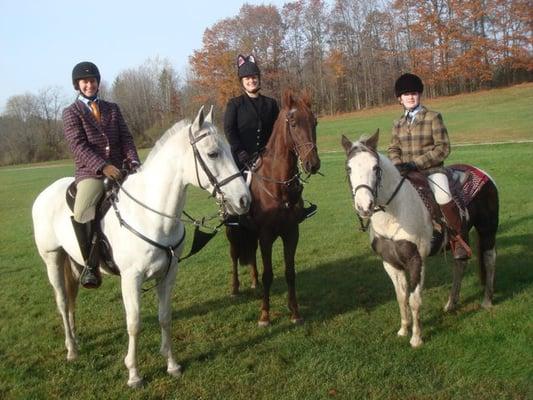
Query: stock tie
[[95, 110]]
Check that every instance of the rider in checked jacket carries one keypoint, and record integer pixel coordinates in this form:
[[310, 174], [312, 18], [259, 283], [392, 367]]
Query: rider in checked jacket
[[100, 142], [420, 142]]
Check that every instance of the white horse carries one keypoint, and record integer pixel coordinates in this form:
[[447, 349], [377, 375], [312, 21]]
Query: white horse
[[150, 203], [401, 229]]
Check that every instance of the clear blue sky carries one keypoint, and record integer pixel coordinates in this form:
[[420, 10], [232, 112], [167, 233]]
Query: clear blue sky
[[41, 40]]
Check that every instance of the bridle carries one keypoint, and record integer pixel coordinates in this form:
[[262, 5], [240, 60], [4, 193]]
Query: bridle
[[378, 172], [217, 193], [309, 146]]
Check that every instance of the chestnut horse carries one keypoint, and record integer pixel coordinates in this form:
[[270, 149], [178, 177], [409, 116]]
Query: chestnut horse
[[277, 205]]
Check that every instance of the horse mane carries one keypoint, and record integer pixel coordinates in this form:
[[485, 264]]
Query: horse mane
[[173, 130]]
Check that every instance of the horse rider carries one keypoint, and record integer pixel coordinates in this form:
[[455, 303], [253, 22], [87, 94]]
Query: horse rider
[[249, 118], [420, 142], [101, 143]]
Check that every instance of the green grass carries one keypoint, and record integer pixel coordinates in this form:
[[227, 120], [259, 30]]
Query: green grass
[[346, 349]]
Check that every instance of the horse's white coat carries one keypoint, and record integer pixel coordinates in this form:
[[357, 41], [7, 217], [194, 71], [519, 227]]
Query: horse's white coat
[[161, 184]]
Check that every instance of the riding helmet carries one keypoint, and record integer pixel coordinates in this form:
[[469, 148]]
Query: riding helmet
[[246, 66], [408, 83], [85, 69]]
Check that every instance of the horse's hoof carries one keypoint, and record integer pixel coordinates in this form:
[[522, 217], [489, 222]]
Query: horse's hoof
[[263, 324], [416, 342], [72, 356], [297, 321], [449, 307], [402, 332], [175, 372], [136, 383]]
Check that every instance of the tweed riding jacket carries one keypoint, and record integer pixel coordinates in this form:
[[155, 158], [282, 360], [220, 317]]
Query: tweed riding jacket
[[424, 141], [248, 123], [95, 144]]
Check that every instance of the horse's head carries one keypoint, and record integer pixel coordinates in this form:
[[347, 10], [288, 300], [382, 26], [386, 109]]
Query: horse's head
[[364, 172], [301, 127], [215, 168]]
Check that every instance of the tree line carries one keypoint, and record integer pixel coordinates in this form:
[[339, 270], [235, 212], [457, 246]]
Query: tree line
[[347, 52]]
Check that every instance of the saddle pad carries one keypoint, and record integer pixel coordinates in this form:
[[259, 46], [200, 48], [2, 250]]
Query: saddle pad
[[471, 181]]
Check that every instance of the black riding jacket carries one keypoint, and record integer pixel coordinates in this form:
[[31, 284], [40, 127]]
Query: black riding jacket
[[248, 123]]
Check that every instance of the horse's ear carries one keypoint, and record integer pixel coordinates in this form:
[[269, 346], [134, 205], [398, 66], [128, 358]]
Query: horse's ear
[[198, 121], [306, 97], [288, 99], [209, 117], [346, 144], [372, 142]]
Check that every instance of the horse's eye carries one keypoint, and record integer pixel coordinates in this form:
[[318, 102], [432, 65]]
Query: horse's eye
[[212, 155], [348, 170]]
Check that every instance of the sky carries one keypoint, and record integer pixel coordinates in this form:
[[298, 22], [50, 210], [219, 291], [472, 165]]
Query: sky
[[42, 40]]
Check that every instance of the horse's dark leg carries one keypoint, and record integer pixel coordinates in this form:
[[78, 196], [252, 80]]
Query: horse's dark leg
[[484, 210], [487, 260], [290, 241], [453, 299], [234, 269], [253, 274], [266, 242]]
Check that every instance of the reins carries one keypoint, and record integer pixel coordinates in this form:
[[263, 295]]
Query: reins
[[297, 176], [200, 238]]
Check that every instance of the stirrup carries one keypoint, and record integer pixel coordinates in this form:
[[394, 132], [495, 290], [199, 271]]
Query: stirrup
[[89, 279], [310, 211]]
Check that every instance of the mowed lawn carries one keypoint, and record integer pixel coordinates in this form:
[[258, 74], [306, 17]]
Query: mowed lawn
[[347, 348]]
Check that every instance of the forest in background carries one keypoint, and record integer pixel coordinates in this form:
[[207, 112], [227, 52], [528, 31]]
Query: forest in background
[[347, 52]]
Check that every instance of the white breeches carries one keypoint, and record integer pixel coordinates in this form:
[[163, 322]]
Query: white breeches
[[438, 182]]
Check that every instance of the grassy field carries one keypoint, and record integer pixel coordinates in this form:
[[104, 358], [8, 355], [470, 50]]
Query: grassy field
[[347, 348]]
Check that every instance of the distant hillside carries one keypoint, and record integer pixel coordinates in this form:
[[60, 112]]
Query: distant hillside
[[497, 115]]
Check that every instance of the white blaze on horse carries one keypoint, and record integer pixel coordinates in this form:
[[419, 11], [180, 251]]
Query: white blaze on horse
[[187, 154], [401, 227]]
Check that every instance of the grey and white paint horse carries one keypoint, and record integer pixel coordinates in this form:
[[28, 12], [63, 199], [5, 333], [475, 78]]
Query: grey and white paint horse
[[187, 154], [401, 229]]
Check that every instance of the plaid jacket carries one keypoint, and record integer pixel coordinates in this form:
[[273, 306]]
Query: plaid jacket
[[425, 141], [95, 144]]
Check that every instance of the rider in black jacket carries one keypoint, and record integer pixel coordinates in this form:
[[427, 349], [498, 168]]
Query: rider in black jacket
[[250, 117]]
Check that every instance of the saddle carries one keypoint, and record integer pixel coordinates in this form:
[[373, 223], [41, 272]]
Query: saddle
[[102, 207], [464, 181]]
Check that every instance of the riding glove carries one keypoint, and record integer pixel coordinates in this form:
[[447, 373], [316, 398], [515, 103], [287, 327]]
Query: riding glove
[[405, 168]]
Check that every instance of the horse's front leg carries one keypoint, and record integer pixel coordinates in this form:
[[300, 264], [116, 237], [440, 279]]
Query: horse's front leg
[[164, 291], [399, 281], [131, 289], [268, 276], [290, 242]]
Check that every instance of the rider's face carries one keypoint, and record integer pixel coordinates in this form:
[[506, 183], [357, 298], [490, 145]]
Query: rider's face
[[410, 100], [88, 86], [251, 83]]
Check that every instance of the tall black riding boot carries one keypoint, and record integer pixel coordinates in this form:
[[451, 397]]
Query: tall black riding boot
[[90, 277], [460, 249]]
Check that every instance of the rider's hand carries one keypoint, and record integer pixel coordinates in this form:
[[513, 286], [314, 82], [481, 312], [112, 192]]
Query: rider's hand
[[112, 172], [243, 157], [405, 168]]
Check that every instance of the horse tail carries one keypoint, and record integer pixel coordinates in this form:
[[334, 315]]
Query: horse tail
[[71, 284], [243, 244]]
